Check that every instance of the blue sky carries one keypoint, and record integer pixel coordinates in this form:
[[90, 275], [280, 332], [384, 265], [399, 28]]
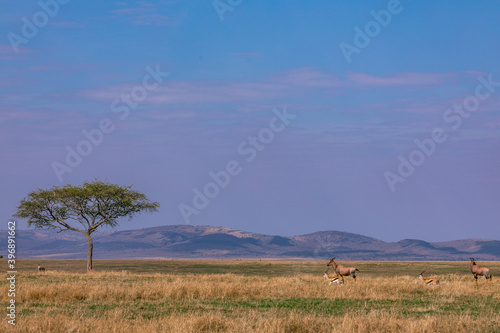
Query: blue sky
[[356, 117]]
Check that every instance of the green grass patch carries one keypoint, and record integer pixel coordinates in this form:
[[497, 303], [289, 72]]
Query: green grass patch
[[410, 307]]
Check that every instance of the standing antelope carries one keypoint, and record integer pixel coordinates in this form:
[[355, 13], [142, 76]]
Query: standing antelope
[[476, 271], [40, 268], [334, 279], [428, 281], [343, 271]]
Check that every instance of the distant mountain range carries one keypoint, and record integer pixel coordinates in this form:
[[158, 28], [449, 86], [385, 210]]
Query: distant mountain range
[[207, 242]]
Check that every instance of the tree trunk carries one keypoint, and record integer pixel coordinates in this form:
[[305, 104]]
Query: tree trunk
[[89, 255]]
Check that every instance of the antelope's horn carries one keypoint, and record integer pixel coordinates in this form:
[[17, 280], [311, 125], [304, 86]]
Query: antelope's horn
[[422, 272]]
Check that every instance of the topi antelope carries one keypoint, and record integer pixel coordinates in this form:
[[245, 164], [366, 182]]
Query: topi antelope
[[343, 271], [428, 281], [476, 271], [334, 279], [40, 268]]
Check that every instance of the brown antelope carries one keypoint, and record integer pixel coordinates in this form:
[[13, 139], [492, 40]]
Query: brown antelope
[[343, 271], [477, 271], [40, 268], [428, 281], [334, 279]]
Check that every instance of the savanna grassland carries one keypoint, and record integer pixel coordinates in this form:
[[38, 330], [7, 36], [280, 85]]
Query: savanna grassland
[[249, 296]]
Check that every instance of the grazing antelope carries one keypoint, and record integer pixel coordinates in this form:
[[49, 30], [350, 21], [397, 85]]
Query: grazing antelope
[[40, 268], [428, 281], [476, 271], [334, 279], [343, 271]]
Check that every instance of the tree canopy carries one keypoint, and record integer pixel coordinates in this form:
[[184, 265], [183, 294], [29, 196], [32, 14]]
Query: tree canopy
[[83, 208]]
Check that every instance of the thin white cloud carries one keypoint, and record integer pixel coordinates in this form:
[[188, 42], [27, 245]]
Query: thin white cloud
[[145, 13], [67, 24], [290, 84], [402, 79]]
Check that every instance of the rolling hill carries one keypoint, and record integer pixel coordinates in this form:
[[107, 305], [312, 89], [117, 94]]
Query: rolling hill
[[208, 242]]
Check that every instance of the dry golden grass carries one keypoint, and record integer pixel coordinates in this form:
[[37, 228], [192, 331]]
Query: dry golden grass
[[124, 301]]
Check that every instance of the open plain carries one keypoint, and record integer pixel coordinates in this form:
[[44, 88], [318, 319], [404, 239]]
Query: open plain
[[249, 296]]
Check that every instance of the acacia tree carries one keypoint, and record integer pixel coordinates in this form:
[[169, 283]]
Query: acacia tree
[[83, 209]]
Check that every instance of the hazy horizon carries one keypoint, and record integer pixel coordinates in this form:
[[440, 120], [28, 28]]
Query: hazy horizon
[[281, 118], [107, 229]]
